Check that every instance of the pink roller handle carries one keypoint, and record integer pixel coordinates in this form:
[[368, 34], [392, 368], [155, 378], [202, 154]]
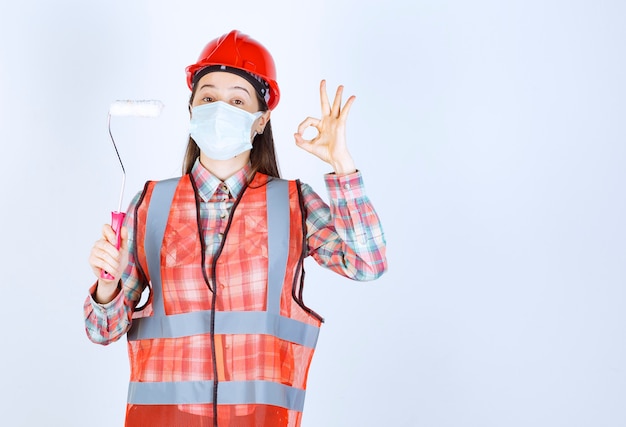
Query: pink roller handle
[[117, 219]]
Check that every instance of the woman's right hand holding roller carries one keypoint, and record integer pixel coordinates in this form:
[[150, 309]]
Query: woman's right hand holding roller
[[105, 256]]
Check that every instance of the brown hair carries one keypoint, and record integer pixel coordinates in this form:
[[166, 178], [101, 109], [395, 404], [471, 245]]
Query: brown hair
[[262, 155]]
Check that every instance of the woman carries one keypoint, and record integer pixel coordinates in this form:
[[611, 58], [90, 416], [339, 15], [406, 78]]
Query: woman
[[225, 337]]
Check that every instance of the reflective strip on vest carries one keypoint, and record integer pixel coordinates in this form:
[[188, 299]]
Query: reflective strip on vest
[[156, 221], [269, 322], [226, 322], [230, 392]]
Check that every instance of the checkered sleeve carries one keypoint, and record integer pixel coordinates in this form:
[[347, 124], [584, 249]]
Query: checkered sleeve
[[106, 323], [346, 236]]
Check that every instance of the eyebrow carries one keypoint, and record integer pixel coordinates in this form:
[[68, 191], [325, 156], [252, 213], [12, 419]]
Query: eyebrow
[[232, 87]]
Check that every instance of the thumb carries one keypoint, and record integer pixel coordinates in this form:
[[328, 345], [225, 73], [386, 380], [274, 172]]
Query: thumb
[[124, 239], [302, 143]]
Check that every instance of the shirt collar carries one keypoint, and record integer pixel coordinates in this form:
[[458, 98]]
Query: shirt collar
[[207, 183]]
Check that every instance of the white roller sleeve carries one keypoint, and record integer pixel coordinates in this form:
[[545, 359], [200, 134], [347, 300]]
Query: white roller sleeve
[[138, 108]]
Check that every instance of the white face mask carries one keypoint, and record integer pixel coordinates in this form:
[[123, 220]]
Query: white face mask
[[221, 130]]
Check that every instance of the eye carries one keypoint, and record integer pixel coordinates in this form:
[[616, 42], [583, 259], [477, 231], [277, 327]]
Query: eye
[[207, 99], [237, 102]]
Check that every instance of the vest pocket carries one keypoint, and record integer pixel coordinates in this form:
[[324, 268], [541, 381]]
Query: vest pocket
[[180, 246]]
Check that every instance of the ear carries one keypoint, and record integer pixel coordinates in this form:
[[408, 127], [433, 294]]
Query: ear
[[262, 122]]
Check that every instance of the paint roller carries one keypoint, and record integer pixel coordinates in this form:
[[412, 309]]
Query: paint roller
[[128, 108]]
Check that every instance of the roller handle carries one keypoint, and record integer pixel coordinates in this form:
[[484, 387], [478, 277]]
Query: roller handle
[[117, 219]]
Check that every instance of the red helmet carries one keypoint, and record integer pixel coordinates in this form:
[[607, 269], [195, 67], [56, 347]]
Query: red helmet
[[240, 51]]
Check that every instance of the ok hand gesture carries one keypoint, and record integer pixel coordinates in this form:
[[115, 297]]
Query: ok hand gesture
[[330, 142]]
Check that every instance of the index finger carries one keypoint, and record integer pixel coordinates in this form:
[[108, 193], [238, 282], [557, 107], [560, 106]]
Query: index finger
[[109, 234]]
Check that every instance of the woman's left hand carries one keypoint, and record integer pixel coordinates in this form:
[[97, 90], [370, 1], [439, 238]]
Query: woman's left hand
[[330, 142]]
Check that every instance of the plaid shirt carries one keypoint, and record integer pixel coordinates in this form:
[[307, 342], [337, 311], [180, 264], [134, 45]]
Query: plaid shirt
[[346, 237]]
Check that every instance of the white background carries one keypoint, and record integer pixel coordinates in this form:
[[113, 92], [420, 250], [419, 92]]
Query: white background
[[491, 136]]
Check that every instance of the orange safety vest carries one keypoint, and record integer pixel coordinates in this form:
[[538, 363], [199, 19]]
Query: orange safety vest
[[237, 353]]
